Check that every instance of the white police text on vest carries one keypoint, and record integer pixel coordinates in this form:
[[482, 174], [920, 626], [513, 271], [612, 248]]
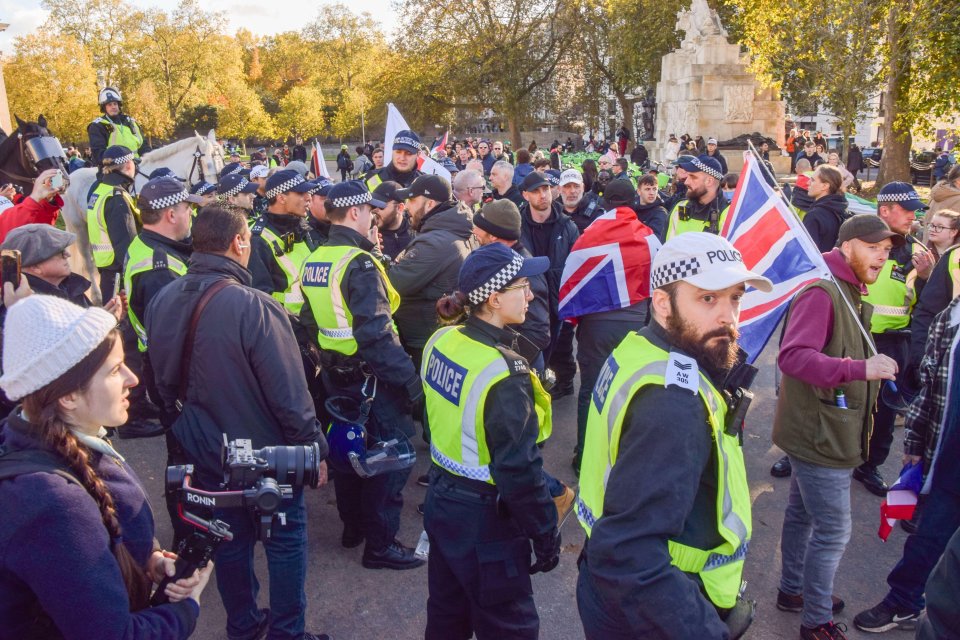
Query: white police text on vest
[[317, 274], [445, 376]]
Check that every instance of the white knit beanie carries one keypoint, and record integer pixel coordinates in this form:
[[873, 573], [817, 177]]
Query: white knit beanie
[[44, 337]]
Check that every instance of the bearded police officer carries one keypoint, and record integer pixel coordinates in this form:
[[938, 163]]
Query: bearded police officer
[[113, 127], [663, 490], [282, 239], [112, 216], [704, 208], [403, 162], [348, 308]]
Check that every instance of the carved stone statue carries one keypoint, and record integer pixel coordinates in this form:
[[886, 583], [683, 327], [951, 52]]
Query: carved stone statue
[[698, 21]]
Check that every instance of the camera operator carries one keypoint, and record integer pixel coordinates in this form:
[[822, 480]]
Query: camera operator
[[77, 530], [245, 380]]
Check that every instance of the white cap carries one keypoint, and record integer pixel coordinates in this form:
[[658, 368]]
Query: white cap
[[704, 260], [259, 171], [712, 141], [571, 176], [44, 337]]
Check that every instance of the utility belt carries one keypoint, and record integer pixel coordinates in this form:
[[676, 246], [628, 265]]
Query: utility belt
[[344, 371], [470, 488]]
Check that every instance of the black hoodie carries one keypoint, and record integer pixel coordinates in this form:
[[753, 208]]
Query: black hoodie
[[824, 218]]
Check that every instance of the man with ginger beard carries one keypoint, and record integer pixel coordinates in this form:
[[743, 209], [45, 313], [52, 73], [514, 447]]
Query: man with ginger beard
[[649, 494], [824, 417]]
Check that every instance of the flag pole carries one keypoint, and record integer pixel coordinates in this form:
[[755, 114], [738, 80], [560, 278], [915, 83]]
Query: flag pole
[[843, 296]]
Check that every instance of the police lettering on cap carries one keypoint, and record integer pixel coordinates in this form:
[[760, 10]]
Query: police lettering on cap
[[37, 242], [433, 187], [161, 193], [706, 261], [202, 188], [533, 181], [259, 171], [352, 193], [901, 193], [407, 140], [116, 155], [286, 181], [571, 176], [704, 163], [235, 184], [492, 267]]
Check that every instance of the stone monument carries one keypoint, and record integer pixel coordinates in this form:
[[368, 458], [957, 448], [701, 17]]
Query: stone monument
[[706, 89]]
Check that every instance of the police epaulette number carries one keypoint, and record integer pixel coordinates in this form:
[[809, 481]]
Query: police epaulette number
[[258, 226], [515, 362]]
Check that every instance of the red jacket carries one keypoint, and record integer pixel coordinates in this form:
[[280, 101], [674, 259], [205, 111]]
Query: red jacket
[[28, 211]]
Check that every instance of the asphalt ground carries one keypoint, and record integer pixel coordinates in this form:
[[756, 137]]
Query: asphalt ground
[[352, 603]]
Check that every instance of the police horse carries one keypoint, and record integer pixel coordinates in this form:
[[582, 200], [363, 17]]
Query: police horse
[[28, 151], [193, 159]]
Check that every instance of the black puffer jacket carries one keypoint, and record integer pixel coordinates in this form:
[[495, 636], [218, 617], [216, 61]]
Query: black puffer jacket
[[824, 218]]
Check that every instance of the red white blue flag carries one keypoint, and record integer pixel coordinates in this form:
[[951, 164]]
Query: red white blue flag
[[441, 144], [609, 265], [901, 500], [773, 243]]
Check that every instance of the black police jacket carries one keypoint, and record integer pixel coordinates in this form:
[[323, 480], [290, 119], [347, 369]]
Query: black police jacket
[[99, 135], [389, 172], [246, 378], [588, 210], [267, 274], [147, 284]]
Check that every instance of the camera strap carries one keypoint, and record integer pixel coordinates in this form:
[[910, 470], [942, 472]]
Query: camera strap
[[187, 355], [18, 463]]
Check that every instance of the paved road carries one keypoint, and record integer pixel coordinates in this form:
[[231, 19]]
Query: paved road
[[353, 603]]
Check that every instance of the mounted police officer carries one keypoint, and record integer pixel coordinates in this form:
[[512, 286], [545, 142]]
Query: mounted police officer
[[282, 239], [403, 162], [347, 311], [112, 216], [662, 559], [487, 500], [704, 208], [113, 127], [155, 258]]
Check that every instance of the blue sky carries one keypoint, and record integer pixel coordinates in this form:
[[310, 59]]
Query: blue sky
[[259, 16]]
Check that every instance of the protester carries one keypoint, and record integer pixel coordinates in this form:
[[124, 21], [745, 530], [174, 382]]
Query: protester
[[42, 206], [714, 153], [523, 166], [943, 231], [468, 189], [649, 208], [502, 181], [583, 208], [833, 159], [829, 209], [392, 220], [823, 418], [344, 163], [76, 519], [944, 195]]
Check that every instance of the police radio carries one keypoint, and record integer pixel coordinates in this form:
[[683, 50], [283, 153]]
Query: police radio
[[736, 392]]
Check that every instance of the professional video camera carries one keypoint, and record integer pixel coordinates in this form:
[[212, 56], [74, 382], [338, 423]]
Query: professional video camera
[[254, 479]]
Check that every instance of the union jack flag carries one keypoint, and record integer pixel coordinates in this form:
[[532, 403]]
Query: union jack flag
[[441, 144], [609, 265], [774, 244]]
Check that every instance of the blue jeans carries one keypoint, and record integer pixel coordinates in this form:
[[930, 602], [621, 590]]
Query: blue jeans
[[938, 521], [816, 529], [286, 562]]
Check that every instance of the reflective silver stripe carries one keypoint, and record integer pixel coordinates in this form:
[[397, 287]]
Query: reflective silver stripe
[[469, 448], [102, 247], [292, 270], [337, 334], [884, 310], [336, 295], [622, 396], [430, 343], [474, 472]]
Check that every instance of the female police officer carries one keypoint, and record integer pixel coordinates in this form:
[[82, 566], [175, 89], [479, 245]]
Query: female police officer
[[487, 499]]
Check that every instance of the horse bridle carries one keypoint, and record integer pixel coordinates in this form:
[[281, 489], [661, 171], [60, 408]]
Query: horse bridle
[[23, 159], [198, 165]]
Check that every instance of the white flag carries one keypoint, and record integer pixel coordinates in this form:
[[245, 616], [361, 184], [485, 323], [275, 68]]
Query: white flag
[[425, 163], [319, 163]]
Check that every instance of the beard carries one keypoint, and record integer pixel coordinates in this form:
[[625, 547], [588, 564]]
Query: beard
[[719, 356], [861, 269]]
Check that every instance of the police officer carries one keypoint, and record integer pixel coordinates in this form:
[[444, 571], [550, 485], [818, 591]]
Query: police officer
[[155, 258], [258, 174], [112, 216], [487, 499], [113, 127], [236, 191], [347, 311], [318, 213], [704, 208], [403, 162], [282, 239], [662, 559]]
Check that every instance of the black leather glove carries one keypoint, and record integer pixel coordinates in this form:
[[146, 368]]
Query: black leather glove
[[547, 551]]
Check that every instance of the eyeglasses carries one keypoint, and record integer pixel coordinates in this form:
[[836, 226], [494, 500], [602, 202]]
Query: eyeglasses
[[938, 228], [525, 286]]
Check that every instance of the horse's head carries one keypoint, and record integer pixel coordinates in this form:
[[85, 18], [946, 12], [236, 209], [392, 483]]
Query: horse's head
[[30, 150], [213, 160]]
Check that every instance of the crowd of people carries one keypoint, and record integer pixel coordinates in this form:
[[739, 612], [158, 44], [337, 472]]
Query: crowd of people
[[351, 318]]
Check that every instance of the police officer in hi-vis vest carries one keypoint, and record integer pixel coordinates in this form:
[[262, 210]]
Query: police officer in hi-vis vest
[[663, 489], [112, 216], [113, 127], [704, 208], [347, 311], [488, 514]]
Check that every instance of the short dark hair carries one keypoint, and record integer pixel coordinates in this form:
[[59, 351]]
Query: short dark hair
[[647, 180], [215, 227], [622, 163], [523, 156], [335, 214], [542, 162], [730, 181]]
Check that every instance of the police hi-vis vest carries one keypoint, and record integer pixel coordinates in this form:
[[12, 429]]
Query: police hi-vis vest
[[100, 243], [676, 225], [633, 365], [893, 294], [129, 137], [142, 258], [290, 262], [321, 278], [374, 181], [458, 373]]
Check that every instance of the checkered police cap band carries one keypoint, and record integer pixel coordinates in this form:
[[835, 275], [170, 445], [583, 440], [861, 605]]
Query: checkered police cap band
[[898, 197], [205, 189], [673, 271], [167, 201], [121, 160], [710, 171], [352, 201], [499, 280], [407, 141], [283, 187], [237, 189], [236, 169]]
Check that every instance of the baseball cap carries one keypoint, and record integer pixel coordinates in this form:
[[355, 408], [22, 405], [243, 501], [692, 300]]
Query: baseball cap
[[116, 155], [37, 242], [704, 260], [705, 163], [162, 172], [202, 188], [161, 193], [869, 228], [901, 193], [259, 171], [352, 193], [571, 176], [618, 193], [712, 141], [492, 267], [232, 168], [386, 191], [234, 184], [533, 181], [431, 186]]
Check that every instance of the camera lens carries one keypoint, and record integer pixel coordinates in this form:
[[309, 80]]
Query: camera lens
[[293, 465]]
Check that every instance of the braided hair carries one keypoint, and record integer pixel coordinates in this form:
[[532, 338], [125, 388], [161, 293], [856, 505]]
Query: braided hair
[[42, 407]]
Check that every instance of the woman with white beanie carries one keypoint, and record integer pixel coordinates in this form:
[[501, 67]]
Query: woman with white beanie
[[78, 557]]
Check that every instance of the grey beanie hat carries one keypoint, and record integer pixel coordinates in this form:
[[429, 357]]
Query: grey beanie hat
[[499, 218]]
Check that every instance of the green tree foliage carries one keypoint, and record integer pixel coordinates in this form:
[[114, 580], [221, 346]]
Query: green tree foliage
[[301, 112]]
